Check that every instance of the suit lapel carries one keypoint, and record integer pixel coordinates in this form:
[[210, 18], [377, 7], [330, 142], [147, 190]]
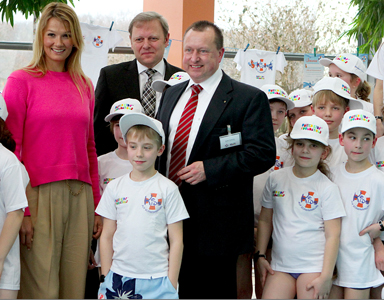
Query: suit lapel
[[130, 78], [218, 103]]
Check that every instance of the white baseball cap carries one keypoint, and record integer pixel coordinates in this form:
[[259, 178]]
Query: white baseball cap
[[311, 128], [123, 107], [273, 91], [301, 97], [132, 119], [3, 108], [179, 77], [339, 87], [358, 118], [348, 63]]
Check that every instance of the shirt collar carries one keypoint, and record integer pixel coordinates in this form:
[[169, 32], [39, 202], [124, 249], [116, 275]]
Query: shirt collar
[[160, 67], [210, 84]]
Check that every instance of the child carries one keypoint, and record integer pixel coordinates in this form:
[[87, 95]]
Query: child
[[279, 103], [12, 203], [330, 102], [140, 210], [302, 99], [362, 187], [115, 164], [351, 69], [302, 210]]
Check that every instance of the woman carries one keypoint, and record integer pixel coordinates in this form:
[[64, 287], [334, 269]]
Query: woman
[[50, 104]]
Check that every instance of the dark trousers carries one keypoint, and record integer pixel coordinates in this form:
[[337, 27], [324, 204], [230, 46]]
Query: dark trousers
[[208, 277]]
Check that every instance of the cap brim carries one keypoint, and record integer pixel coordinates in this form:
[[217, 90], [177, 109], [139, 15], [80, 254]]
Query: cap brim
[[326, 62], [159, 85], [288, 102], [133, 119]]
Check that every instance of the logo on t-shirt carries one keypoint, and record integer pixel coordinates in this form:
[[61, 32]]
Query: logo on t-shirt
[[278, 194], [152, 203], [261, 66], [360, 200], [107, 180], [97, 41], [380, 164], [309, 202], [278, 164]]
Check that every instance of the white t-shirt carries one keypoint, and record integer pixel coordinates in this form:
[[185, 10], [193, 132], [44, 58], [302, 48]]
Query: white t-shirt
[[142, 211], [376, 67], [362, 194], [110, 167], [367, 106], [258, 67], [300, 207], [12, 197], [338, 154], [379, 153], [283, 159], [97, 40]]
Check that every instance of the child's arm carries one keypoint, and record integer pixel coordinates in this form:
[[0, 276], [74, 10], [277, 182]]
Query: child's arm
[[264, 231], [322, 284], [374, 232], [9, 233], [176, 245], [106, 245]]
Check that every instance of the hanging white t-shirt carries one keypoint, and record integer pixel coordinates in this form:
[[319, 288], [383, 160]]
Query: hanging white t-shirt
[[283, 159], [376, 67], [338, 154], [12, 197], [142, 211], [362, 194], [97, 41], [300, 207], [110, 167], [258, 67]]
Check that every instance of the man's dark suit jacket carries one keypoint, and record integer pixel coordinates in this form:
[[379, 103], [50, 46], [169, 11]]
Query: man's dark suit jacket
[[116, 82], [221, 207]]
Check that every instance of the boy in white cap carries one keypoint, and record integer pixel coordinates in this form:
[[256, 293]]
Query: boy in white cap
[[141, 209], [115, 163], [13, 201], [362, 187], [351, 69], [330, 102]]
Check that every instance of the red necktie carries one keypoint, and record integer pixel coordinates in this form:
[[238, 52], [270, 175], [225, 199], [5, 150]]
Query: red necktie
[[179, 147]]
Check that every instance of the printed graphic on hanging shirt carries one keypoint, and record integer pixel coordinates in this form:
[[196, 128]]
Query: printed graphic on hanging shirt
[[259, 67], [97, 40]]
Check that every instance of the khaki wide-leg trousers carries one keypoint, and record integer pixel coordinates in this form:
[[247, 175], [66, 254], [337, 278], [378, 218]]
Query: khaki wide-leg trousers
[[56, 266]]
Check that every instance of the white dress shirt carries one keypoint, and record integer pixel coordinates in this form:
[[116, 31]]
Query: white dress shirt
[[143, 77], [209, 87]]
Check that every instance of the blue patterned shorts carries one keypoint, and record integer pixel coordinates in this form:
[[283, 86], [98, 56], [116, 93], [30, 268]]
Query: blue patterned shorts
[[116, 286]]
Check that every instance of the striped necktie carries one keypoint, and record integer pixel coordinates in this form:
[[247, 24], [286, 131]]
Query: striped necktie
[[179, 147], [149, 95]]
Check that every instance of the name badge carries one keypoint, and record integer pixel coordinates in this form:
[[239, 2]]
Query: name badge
[[230, 140]]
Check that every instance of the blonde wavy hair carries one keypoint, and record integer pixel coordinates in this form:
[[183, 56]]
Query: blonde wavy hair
[[38, 66]]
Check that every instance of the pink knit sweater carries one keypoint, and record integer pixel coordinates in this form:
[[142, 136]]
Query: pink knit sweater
[[53, 128]]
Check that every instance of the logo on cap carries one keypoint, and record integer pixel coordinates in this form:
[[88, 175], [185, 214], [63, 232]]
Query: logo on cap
[[346, 88], [294, 98], [176, 77], [124, 106], [309, 202], [343, 59], [311, 127], [277, 92], [360, 200], [359, 117]]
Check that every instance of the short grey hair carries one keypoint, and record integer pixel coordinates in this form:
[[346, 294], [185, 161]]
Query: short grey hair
[[147, 17]]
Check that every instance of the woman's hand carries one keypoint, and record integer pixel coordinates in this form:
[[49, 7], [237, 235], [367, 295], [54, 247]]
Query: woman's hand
[[26, 232]]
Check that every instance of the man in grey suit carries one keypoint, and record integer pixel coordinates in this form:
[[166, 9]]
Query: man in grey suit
[[149, 37], [219, 135]]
